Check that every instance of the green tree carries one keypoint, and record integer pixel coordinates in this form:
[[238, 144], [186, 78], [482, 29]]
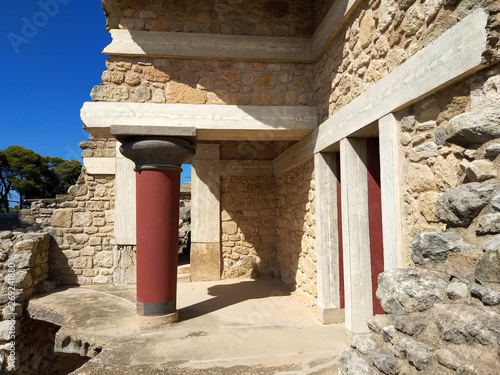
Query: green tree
[[34, 176]]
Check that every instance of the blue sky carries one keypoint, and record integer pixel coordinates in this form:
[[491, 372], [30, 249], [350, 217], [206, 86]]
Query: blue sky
[[51, 59]]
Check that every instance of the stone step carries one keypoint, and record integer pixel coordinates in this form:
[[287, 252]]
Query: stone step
[[183, 274]]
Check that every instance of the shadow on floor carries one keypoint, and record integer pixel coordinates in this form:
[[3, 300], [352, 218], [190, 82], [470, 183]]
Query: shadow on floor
[[226, 295]]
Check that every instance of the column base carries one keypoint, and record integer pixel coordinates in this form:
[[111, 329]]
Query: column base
[[331, 316], [156, 322], [156, 309]]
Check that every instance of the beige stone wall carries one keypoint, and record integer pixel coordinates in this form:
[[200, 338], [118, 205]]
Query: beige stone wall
[[98, 147], [248, 207], [429, 169], [143, 80], [296, 231], [292, 18], [379, 36]]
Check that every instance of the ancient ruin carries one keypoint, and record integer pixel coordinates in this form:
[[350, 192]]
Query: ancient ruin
[[348, 148]]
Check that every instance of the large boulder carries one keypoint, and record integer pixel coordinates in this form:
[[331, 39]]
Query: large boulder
[[471, 128], [460, 205], [408, 290], [433, 247]]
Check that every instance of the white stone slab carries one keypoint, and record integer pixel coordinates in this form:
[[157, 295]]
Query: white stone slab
[[125, 198], [356, 234], [175, 44], [222, 120], [99, 165], [390, 170], [327, 238], [454, 54]]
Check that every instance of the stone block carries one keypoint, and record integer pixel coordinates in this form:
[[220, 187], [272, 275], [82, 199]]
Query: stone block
[[364, 344], [488, 267], [489, 224], [62, 218], [206, 261], [432, 247], [386, 362], [487, 295]]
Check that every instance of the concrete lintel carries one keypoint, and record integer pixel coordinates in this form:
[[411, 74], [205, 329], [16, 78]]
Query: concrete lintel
[[256, 168], [455, 54], [174, 131], [198, 45], [99, 165], [210, 121], [390, 156]]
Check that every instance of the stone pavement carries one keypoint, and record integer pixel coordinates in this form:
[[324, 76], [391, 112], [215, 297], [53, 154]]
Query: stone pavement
[[226, 327]]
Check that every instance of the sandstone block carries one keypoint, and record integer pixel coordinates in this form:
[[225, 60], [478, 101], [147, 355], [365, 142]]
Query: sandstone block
[[366, 29], [62, 218], [82, 219], [25, 246], [177, 92], [420, 177], [109, 93], [480, 170]]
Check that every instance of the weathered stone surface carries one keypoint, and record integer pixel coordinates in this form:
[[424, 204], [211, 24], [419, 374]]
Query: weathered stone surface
[[464, 324], [420, 177], [461, 266], [433, 247], [177, 92], [386, 362], [480, 170], [62, 218], [22, 260], [364, 344], [460, 205], [351, 363], [488, 267], [411, 325], [489, 224], [492, 150], [447, 359], [493, 244], [416, 352], [487, 295], [424, 151], [109, 93], [470, 128], [376, 322], [389, 333], [457, 290], [407, 290], [495, 203]]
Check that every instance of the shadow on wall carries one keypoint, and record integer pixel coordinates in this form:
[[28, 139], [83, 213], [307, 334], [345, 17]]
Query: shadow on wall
[[61, 261]]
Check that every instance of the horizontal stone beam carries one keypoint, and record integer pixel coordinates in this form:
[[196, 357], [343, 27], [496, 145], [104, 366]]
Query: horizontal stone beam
[[99, 165], [212, 122], [456, 53], [216, 46], [255, 168]]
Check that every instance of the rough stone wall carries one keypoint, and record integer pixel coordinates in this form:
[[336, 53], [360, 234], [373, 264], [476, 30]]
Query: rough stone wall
[[248, 207], [379, 36], [292, 18], [443, 316], [296, 229], [24, 263], [98, 147], [143, 80]]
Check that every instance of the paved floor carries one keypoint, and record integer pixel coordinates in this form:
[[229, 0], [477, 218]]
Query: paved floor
[[226, 327]]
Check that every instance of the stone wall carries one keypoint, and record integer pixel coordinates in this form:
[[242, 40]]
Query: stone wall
[[380, 36], [143, 80], [248, 207], [296, 231], [24, 264], [443, 315], [293, 18]]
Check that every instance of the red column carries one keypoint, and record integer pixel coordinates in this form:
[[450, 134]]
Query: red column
[[157, 164], [157, 241]]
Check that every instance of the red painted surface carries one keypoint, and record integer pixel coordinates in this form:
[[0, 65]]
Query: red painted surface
[[157, 235], [341, 249], [375, 218]]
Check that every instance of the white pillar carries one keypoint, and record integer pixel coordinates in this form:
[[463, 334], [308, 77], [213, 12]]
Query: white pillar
[[206, 256], [327, 238], [355, 234], [390, 156], [124, 199]]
